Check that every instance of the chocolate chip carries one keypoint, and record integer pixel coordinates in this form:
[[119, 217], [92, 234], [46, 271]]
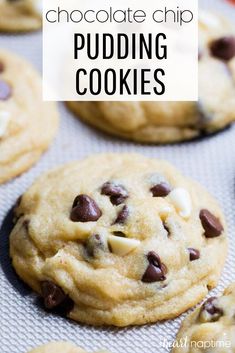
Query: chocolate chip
[[160, 190], [55, 299], [194, 254], [223, 48], [2, 67], [212, 309], [167, 229], [96, 243], [118, 194], [52, 294], [85, 209], [122, 215], [15, 208], [119, 234], [211, 224], [209, 306], [5, 90], [156, 270]]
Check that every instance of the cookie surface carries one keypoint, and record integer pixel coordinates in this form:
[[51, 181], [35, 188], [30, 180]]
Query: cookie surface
[[27, 126], [210, 328], [20, 15], [60, 347], [164, 122], [118, 239]]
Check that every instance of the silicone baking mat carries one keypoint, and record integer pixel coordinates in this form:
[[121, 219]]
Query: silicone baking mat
[[23, 324]]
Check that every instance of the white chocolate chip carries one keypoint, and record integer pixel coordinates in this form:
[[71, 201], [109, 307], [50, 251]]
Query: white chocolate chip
[[4, 121], [122, 246], [182, 201], [208, 19]]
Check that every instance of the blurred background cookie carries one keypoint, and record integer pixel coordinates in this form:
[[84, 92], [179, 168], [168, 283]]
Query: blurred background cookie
[[27, 125], [211, 327], [20, 15], [165, 122]]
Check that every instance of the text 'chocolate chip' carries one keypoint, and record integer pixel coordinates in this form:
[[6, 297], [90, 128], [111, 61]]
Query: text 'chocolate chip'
[[211, 224], [117, 193], [223, 48], [156, 270], [85, 209]]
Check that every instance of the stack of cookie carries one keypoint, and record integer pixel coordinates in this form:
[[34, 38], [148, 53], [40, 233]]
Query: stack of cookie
[[120, 239]]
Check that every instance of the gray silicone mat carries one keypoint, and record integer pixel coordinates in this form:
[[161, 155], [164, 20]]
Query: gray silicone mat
[[23, 324]]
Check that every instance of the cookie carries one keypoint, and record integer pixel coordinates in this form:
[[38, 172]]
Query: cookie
[[166, 122], [20, 15], [210, 328], [60, 347], [27, 125], [118, 239]]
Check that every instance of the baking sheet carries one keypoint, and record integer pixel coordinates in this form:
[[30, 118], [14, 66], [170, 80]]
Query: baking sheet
[[211, 161]]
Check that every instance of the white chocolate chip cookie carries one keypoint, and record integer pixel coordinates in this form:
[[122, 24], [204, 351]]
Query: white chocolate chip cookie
[[210, 328], [118, 239], [165, 122], [60, 347], [20, 15], [27, 125]]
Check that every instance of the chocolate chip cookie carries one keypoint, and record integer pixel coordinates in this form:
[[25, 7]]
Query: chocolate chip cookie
[[20, 15], [118, 239], [165, 122], [60, 347], [210, 328], [27, 125]]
